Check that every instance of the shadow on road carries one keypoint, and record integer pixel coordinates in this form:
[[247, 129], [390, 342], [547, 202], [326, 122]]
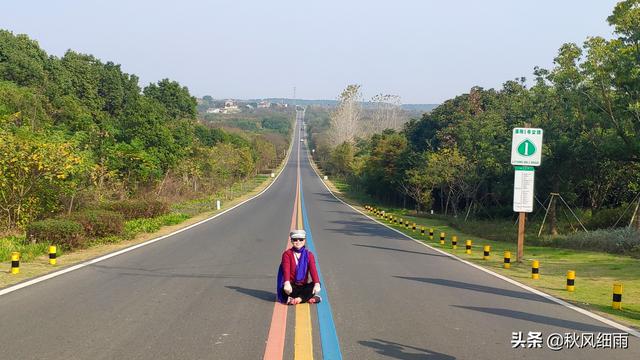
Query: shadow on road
[[327, 197], [364, 228], [259, 294], [401, 351], [540, 319], [480, 288], [173, 272], [400, 250]]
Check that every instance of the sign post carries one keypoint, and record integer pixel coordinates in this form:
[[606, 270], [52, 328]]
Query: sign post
[[526, 152]]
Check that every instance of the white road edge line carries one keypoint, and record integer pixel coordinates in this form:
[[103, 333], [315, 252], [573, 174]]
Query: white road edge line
[[131, 248], [535, 291]]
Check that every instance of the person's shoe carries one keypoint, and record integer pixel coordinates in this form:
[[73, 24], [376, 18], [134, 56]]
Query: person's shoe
[[297, 301], [290, 301], [315, 299]]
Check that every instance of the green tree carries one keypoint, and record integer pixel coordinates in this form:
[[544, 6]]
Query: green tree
[[175, 98]]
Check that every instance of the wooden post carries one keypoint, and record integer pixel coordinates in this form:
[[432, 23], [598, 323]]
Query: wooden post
[[521, 220]]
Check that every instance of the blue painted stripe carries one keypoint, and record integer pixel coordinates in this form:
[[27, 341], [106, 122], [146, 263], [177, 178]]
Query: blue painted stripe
[[328, 334]]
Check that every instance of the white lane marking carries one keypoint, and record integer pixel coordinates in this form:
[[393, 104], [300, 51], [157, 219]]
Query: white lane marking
[[131, 248], [509, 280]]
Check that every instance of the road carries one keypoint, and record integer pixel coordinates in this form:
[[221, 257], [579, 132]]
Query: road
[[208, 293]]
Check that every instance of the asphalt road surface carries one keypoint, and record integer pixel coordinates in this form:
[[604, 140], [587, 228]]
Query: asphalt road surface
[[208, 293]]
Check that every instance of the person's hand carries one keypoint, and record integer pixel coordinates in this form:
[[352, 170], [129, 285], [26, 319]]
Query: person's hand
[[316, 289], [287, 288]]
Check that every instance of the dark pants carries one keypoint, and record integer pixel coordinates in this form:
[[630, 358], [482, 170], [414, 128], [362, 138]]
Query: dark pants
[[305, 292]]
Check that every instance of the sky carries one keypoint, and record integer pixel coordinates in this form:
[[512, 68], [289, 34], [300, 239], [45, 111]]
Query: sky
[[425, 51]]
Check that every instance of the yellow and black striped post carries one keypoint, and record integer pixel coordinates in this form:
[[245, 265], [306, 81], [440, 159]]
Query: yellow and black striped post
[[535, 270], [454, 242], [414, 227], [422, 230], [406, 224], [15, 262], [468, 247], [617, 296], [431, 234], [507, 259], [52, 254], [441, 238], [487, 252], [571, 280]]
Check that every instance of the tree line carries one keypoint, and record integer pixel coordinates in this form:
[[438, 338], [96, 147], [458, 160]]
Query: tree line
[[76, 130], [456, 158]]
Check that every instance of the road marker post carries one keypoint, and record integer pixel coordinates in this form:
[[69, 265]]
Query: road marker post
[[422, 231], [431, 234], [507, 259], [406, 224], [487, 252], [571, 280], [468, 247], [52, 255], [15, 263], [535, 270], [414, 227], [441, 238], [617, 296], [454, 242]]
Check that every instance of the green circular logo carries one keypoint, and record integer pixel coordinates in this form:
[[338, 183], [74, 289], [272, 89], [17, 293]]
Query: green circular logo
[[526, 148]]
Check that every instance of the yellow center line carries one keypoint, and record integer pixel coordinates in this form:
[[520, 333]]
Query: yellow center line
[[303, 342]]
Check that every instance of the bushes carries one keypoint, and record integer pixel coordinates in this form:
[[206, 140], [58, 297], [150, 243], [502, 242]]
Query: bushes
[[625, 241], [606, 218], [141, 208], [62, 232], [134, 227], [99, 223]]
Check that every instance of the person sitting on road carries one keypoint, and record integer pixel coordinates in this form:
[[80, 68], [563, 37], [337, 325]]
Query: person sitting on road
[[297, 265]]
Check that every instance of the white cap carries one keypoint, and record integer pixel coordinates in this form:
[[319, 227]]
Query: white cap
[[298, 234]]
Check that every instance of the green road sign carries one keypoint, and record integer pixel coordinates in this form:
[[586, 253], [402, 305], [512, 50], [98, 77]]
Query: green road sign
[[526, 146]]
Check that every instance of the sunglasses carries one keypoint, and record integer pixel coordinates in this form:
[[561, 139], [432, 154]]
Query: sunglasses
[[294, 240]]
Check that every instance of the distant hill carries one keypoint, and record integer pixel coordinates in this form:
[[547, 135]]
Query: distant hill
[[332, 103]]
